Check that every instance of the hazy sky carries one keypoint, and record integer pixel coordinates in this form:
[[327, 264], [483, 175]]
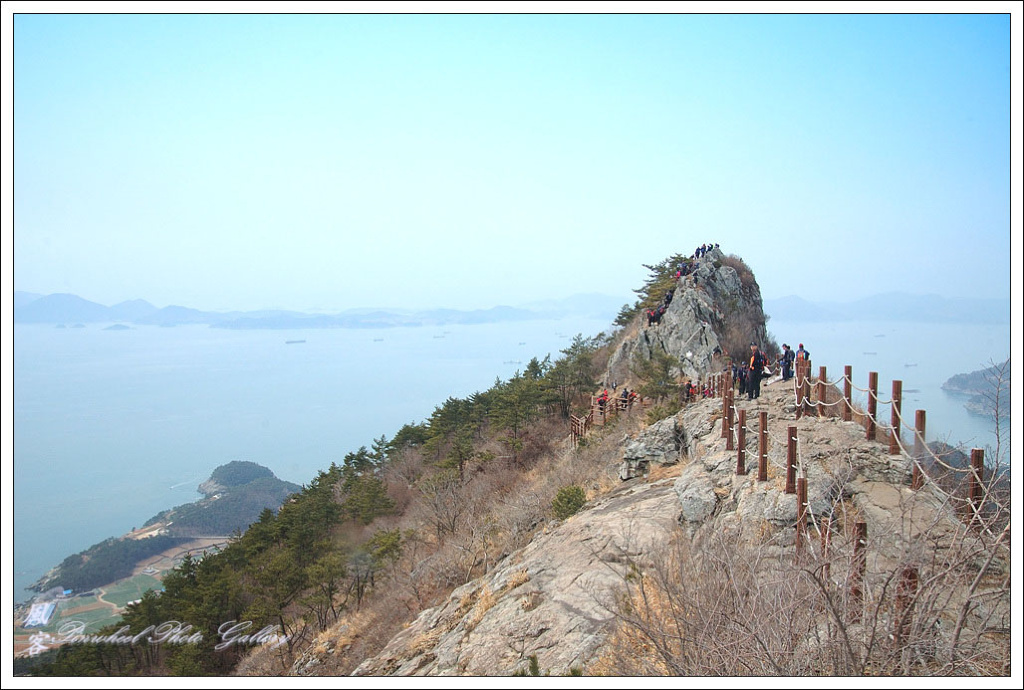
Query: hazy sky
[[336, 161]]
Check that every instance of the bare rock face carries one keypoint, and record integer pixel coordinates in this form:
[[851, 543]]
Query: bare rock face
[[660, 444], [554, 598], [211, 487], [694, 325], [834, 457]]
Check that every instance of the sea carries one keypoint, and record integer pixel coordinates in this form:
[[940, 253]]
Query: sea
[[112, 426]]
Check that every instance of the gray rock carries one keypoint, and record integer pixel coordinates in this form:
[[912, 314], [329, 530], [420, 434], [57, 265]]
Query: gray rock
[[554, 598], [692, 326], [659, 444]]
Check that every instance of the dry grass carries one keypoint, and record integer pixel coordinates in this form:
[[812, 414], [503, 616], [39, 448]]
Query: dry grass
[[484, 604], [517, 578], [660, 472]]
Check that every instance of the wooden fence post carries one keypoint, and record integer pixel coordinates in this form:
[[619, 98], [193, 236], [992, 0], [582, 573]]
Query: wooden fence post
[[872, 404], [801, 515], [725, 416], [826, 526], [897, 409], [762, 460], [741, 453], [905, 593], [805, 391], [917, 479], [848, 393], [975, 489], [858, 569], [822, 410], [791, 461]]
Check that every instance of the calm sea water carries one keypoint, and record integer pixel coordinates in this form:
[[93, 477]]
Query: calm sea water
[[111, 427], [921, 355]]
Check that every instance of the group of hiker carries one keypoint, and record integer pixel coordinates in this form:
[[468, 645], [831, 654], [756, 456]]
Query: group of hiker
[[625, 399], [703, 249], [654, 315], [684, 269], [748, 374]]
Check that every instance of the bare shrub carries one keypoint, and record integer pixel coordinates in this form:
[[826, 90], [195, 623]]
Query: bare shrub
[[732, 605], [742, 270]]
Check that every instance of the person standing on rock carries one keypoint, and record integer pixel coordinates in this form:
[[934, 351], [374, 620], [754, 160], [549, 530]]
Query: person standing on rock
[[786, 361], [757, 362], [802, 354]]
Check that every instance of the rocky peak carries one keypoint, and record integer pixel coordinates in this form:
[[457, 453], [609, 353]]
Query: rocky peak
[[712, 309]]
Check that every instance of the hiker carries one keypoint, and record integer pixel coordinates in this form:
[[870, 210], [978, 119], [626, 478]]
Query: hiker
[[786, 362], [757, 363]]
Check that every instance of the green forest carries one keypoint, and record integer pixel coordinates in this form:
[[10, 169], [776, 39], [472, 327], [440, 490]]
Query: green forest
[[103, 563]]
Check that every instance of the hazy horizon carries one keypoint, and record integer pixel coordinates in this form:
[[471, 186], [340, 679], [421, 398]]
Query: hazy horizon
[[325, 162], [595, 296]]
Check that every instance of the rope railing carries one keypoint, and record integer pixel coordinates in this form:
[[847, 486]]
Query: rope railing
[[918, 453], [981, 510]]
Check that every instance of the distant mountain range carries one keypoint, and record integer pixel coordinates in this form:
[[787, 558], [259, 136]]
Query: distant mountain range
[[68, 309], [892, 307]]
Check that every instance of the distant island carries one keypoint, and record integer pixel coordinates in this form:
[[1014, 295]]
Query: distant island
[[987, 390], [234, 497], [62, 308]]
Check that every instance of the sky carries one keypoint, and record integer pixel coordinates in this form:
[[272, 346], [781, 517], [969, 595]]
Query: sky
[[333, 161]]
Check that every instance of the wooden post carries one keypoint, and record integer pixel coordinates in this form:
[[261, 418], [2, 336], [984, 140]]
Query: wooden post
[[905, 593], [872, 404], [897, 409], [801, 376], [791, 461], [762, 460], [801, 515], [741, 453], [826, 526], [975, 490], [725, 417], [730, 418], [805, 391], [822, 410], [848, 393], [917, 479], [858, 569]]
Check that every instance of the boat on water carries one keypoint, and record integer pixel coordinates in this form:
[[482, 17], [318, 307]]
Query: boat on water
[[293, 342]]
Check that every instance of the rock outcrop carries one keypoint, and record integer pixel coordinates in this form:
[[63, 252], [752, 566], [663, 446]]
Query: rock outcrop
[[555, 598], [660, 444], [706, 304]]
